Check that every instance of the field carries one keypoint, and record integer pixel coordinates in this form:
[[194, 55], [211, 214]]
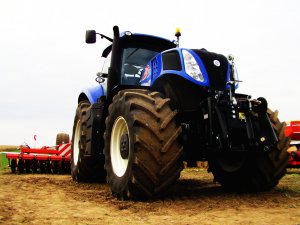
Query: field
[[196, 199], [8, 148]]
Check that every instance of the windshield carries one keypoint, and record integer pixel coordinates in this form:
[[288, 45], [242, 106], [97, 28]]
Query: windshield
[[133, 62]]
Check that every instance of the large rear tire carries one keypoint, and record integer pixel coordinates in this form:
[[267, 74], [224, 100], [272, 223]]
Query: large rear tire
[[259, 171], [143, 157], [84, 168]]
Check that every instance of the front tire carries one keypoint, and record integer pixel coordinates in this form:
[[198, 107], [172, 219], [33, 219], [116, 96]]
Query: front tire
[[84, 168], [259, 171], [143, 157]]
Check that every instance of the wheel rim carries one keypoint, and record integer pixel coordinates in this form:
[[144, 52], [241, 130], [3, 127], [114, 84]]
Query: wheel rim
[[76, 143], [119, 160]]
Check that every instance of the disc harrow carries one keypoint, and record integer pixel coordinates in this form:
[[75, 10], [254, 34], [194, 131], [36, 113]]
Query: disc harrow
[[292, 130], [54, 159]]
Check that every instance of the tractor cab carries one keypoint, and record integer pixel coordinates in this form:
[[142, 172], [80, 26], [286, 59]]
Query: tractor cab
[[128, 55], [133, 61]]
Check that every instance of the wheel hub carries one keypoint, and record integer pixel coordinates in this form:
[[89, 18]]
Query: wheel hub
[[124, 146]]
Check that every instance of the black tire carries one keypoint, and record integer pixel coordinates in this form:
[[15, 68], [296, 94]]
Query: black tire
[[259, 171], [142, 125], [62, 138], [84, 168], [13, 165]]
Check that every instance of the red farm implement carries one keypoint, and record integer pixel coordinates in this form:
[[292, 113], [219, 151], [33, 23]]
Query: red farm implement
[[293, 131], [55, 159]]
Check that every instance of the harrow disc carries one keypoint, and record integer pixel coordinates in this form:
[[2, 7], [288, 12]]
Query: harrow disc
[[42, 166], [48, 167], [34, 166], [55, 167], [27, 166], [13, 165], [21, 166]]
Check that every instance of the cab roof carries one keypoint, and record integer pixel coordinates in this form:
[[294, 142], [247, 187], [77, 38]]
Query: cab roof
[[155, 43]]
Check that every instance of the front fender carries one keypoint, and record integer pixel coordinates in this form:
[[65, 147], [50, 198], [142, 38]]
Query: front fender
[[92, 94]]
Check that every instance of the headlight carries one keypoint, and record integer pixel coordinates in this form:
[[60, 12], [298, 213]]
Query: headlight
[[191, 66]]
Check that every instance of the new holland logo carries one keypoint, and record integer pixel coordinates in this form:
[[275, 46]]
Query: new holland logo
[[217, 63]]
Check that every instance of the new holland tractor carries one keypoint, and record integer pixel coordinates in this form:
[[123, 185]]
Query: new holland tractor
[[157, 105]]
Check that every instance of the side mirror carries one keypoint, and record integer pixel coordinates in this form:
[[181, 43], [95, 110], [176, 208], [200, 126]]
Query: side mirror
[[90, 36]]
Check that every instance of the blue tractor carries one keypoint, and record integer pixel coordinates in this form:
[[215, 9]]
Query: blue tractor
[[157, 105]]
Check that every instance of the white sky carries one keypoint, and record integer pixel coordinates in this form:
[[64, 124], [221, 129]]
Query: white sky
[[45, 63]]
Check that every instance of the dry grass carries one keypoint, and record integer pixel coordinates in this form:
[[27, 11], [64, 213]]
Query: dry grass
[[7, 148]]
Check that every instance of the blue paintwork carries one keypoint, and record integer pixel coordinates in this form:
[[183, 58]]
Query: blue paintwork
[[154, 70], [93, 93]]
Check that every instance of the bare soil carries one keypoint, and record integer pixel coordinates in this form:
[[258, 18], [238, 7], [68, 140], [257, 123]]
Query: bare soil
[[196, 199]]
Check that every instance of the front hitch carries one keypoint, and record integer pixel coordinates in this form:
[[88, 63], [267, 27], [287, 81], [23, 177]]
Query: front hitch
[[242, 122], [260, 106]]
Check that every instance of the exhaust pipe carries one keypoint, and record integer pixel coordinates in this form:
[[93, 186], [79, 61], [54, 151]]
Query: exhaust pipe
[[113, 71]]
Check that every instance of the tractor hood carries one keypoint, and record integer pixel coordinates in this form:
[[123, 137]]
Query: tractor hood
[[199, 66]]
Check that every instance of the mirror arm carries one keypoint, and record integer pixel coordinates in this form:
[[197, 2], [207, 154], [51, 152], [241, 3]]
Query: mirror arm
[[107, 38]]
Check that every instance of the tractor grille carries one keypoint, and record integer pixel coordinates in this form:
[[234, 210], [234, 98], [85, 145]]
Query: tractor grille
[[216, 66]]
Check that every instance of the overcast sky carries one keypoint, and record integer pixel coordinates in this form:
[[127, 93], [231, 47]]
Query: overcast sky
[[45, 63]]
